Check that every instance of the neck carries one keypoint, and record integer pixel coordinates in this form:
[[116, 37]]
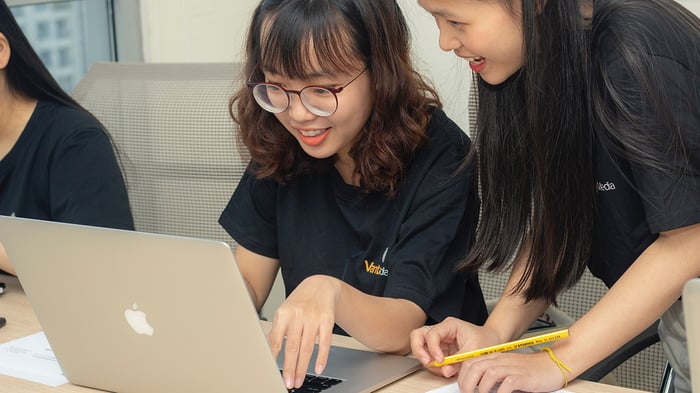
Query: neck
[[587, 9], [346, 167], [15, 112]]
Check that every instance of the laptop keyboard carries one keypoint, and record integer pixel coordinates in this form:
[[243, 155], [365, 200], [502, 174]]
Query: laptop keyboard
[[315, 383]]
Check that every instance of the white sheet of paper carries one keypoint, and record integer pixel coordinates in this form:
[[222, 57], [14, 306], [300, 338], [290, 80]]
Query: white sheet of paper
[[31, 358], [453, 388]]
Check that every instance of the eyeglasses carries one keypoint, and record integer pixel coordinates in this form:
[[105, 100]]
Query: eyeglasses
[[319, 100]]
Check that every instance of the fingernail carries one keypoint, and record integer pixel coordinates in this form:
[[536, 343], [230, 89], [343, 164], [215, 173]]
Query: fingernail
[[289, 383], [299, 382], [319, 368]]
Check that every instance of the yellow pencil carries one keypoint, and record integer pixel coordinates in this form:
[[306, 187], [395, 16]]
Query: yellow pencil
[[509, 346]]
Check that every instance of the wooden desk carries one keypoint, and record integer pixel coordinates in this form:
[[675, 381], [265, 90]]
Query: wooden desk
[[21, 322]]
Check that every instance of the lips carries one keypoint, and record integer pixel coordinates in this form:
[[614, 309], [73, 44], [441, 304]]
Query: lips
[[476, 63], [312, 133], [313, 137]]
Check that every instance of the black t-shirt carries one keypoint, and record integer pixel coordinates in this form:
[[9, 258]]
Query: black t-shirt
[[635, 202], [62, 168], [406, 247]]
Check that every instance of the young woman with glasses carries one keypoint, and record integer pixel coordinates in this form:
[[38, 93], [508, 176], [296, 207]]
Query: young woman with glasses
[[355, 189], [589, 156], [56, 159]]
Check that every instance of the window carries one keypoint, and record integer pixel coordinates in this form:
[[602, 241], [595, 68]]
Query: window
[[62, 29], [65, 60], [65, 80], [70, 35], [47, 57], [42, 30]]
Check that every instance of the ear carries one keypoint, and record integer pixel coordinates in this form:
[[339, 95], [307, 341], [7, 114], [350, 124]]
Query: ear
[[4, 51]]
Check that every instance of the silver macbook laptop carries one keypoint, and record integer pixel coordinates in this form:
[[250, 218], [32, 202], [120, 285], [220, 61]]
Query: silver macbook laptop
[[134, 312], [691, 312]]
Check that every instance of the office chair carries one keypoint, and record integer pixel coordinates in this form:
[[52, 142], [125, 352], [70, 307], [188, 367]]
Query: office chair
[[175, 141], [640, 364]]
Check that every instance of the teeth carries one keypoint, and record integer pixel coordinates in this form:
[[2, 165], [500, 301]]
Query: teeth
[[476, 59], [311, 132]]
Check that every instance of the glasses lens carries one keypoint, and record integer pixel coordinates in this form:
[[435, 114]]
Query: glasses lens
[[271, 98], [319, 101]]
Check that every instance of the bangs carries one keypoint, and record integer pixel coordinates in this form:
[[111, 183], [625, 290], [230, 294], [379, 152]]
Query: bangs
[[300, 44]]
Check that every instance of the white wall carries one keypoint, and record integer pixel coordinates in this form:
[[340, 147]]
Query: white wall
[[195, 30], [449, 74], [693, 5], [214, 30]]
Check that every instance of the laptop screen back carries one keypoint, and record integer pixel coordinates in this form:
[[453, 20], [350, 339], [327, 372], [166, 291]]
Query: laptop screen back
[[136, 312]]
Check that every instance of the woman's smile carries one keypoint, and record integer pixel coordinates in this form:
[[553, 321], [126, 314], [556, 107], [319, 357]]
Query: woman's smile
[[313, 137]]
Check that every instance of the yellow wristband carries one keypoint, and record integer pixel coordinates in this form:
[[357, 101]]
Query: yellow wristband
[[559, 363]]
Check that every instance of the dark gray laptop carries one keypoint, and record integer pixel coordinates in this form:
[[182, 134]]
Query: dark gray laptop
[[134, 312]]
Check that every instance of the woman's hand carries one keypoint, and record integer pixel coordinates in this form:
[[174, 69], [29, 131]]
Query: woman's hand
[[451, 336], [308, 313], [514, 371], [534, 372]]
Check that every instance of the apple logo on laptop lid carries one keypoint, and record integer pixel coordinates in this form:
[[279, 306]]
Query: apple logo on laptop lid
[[137, 320]]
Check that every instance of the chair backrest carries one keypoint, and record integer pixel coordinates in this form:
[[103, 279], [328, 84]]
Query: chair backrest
[[175, 140], [644, 370]]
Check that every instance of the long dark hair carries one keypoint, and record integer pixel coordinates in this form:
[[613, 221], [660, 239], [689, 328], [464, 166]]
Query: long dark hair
[[536, 131], [25, 72], [535, 155], [344, 33]]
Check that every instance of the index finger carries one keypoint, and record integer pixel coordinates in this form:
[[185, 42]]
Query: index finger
[[275, 337], [418, 344], [292, 346], [435, 337]]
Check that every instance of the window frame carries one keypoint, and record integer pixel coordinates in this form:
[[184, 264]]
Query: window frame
[[125, 31]]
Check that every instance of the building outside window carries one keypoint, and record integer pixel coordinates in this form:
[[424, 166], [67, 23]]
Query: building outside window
[[63, 28], [70, 35]]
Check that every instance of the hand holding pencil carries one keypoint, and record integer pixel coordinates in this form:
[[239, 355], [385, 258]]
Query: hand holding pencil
[[509, 346]]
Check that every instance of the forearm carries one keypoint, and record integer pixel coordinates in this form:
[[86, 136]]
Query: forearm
[[5, 264], [258, 272], [381, 323], [512, 316], [257, 302], [638, 299]]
